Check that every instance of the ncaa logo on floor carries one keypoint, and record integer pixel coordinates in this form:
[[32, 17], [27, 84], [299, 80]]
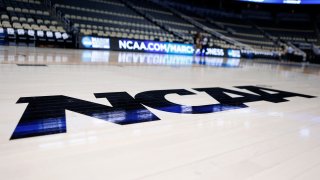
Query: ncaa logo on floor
[[45, 115]]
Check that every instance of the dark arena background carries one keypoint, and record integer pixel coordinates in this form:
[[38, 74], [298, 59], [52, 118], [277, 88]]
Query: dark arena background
[[160, 89], [246, 29]]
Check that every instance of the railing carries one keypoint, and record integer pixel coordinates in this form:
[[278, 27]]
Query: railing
[[298, 51], [150, 18], [205, 28]]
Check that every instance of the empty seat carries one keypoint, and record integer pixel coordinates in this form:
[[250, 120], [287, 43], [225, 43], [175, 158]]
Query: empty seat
[[30, 20], [6, 24], [10, 9], [32, 11], [39, 21], [35, 27], [17, 9], [46, 13], [14, 19], [47, 22], [4, 17], [43, 28], [22, 19], [16, 25], [39, 12], [26, 26], [24, 10], [40, 33]]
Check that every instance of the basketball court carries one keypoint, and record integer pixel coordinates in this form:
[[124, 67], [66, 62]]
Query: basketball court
[[264, 140]]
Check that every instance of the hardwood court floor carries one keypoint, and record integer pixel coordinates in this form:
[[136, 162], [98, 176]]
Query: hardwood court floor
[[265, 141]]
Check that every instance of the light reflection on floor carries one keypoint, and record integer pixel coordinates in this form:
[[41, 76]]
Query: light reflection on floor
[[94, 57], [263, 141], [107, 57]]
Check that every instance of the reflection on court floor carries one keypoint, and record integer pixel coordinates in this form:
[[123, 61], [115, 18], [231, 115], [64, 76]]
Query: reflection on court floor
[[78, 114]]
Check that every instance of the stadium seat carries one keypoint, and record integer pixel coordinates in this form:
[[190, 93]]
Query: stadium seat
[[22, 16]]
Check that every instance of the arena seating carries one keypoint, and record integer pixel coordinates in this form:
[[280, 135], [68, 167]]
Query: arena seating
[[108, 18], [169, 20], [258, 29], [59, 22], [213, 40], [247, 34], [29, 22], [234, 26], [294, 28]]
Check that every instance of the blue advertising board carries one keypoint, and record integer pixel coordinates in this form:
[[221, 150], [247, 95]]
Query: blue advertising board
[[154, 46], [88, 42], [95, 42]]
